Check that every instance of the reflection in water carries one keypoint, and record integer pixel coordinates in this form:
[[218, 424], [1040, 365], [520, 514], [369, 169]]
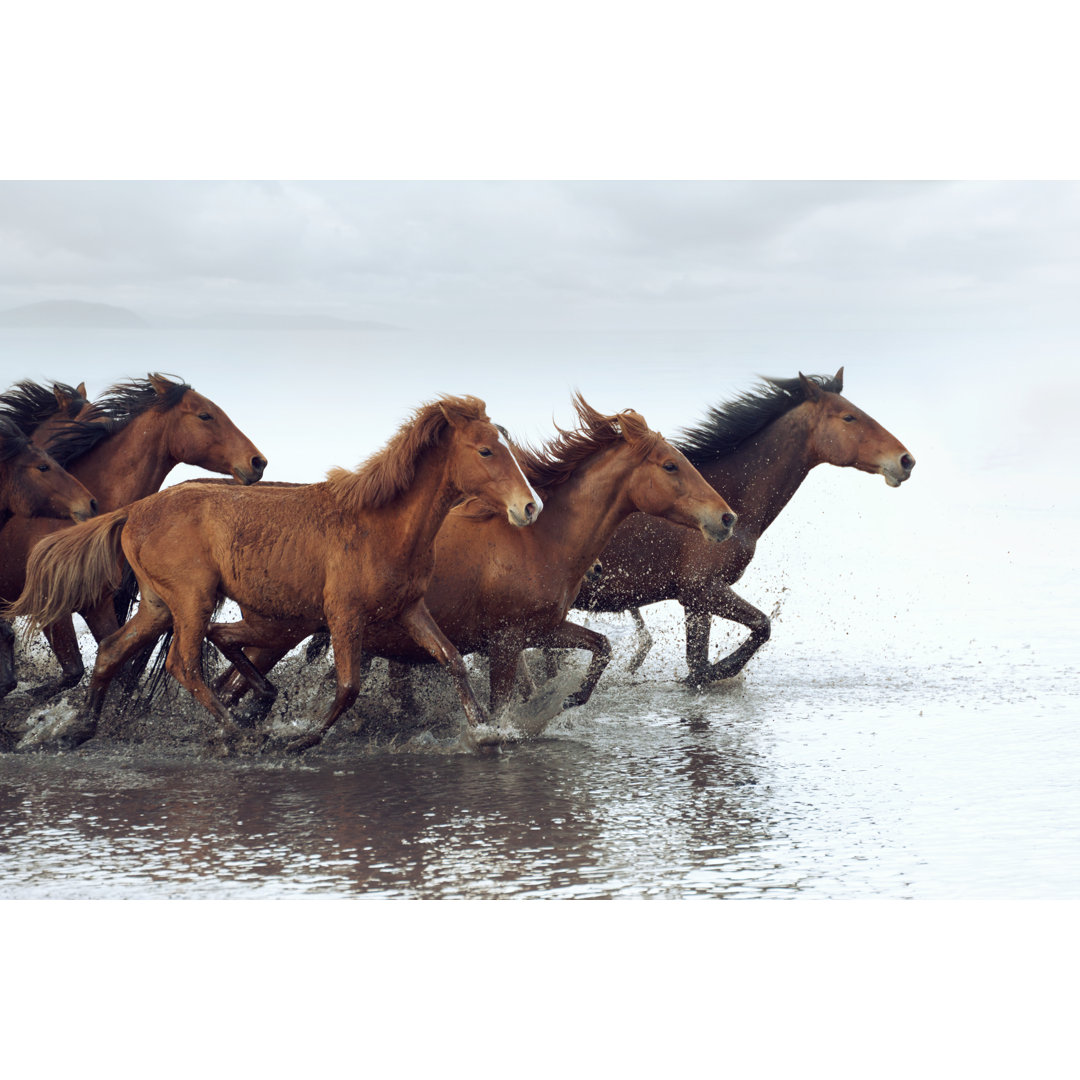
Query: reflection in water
[[855, 783]]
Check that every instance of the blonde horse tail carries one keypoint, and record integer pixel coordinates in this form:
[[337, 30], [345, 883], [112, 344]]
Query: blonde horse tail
[[71, 569]]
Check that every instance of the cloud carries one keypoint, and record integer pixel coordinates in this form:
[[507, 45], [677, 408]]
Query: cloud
[[547, 254]]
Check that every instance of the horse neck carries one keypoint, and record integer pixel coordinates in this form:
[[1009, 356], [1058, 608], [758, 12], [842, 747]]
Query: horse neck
[[760, 477], [415, 516], [129, 464], [581, 515]]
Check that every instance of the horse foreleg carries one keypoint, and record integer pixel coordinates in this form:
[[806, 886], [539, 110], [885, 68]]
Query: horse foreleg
[[230, 638], [64, 643], [644, 641], [423, 629], [191, 621], [569, 635], [506, 652], [346, 635], [731, 606]]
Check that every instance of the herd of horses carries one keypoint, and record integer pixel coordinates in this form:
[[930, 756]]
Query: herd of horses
[[450, 540]]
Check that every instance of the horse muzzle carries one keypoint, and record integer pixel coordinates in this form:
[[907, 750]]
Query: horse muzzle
[[896, 472], [718, 527], [524, 515], [252, 472]]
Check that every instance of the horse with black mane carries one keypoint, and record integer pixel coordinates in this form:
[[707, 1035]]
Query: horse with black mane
[[757, 449]]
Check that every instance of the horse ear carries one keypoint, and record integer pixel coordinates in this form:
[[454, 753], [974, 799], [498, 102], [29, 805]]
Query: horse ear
[[454, 416], [160, 384], [839, 377], [61, 398], [633, 424], [810, 388], [81, 390]]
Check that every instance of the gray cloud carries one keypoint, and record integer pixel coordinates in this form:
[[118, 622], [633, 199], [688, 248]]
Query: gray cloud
[[545, 254]]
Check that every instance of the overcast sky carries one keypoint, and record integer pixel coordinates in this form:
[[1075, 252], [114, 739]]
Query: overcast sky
[[582, 255]]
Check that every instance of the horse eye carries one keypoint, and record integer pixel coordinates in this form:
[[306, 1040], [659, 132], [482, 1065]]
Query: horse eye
[[43, 467], [205, 416], [484, 452], [670, 466], [849, 419]]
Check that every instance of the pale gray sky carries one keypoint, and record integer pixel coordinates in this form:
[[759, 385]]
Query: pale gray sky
[[553, 255]]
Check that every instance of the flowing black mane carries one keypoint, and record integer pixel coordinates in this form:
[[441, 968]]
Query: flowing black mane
[[28, 403], [13, 441], [120, 405], [725, 427]]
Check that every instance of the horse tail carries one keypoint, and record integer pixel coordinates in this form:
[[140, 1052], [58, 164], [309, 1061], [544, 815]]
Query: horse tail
[[70, 569]]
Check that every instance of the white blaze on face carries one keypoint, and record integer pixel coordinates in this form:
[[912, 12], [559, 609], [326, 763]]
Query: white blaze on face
[[525, 480]]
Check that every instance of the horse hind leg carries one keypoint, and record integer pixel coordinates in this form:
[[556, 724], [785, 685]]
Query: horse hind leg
[[643, 642], [149, 623]]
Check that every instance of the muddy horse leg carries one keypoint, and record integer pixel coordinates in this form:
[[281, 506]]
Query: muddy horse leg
[[231, 638], [346, 635], [8, 682], [64, 643], [423, 629], [149, 623], [505, 651], [569, 635], [644, 641], [727, 605]]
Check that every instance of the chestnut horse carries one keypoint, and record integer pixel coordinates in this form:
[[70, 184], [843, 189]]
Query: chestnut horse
[[502, 590], [757, 449], [32, 485], [355, 549], [41, 412], [122, 450]]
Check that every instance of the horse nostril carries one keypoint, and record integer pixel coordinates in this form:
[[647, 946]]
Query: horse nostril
[[93, 506], [530, 511], [258, 463], [729, 519], [907, 462]]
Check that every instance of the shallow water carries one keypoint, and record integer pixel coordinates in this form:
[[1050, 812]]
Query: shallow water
[[911, 730], [804, 779]]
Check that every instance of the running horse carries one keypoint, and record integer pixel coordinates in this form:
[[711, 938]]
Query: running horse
[[501, 590], [41, 412], [122, 449], [757, 449], [355, 549], [32, 485]]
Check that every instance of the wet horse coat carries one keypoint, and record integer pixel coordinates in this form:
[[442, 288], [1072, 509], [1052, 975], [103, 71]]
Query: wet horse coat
[[354, 549], [122, 449], [757, 450]]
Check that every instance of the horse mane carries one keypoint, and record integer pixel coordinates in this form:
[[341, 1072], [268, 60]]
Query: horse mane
[[13, 440], [27, 404], [726, 426], [117, 408], [389, 472], [554, 463]]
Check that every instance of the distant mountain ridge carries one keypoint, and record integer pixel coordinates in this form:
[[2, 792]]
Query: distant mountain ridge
[[80, 314], [70, 313]]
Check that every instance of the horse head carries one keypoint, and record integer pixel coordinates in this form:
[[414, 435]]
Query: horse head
[[202, 434], [34, 485], [482, 464], [842, 434], [666, 485]]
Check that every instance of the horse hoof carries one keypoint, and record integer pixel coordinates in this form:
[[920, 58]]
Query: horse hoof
[[299, 745]]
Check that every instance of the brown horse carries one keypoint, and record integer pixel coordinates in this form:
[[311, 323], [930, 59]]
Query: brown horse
[[502, 590], [122, 450], [41, 412], [757, 449], [32, 485], [355, 549]]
